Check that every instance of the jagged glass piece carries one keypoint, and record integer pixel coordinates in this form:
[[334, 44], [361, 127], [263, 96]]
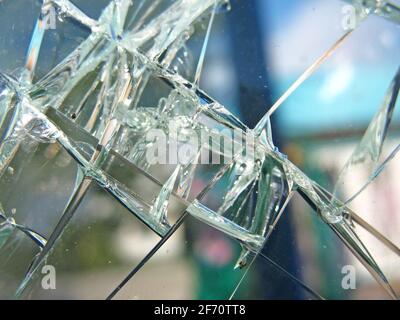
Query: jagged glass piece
[[369, 150], [384, 8]]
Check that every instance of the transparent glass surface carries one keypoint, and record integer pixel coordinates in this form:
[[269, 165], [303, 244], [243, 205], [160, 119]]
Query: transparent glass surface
[[199, 149]]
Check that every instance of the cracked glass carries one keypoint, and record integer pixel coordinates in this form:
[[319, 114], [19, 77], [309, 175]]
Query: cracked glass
[[199, 149]]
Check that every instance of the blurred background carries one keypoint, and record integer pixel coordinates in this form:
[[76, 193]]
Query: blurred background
[[257, 49]]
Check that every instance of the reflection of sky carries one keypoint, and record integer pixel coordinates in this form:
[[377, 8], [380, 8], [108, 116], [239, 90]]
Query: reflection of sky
[[349, 88]]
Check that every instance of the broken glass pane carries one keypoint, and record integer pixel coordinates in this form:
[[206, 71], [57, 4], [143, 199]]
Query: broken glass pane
[[109, 97]]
